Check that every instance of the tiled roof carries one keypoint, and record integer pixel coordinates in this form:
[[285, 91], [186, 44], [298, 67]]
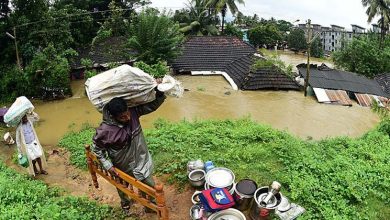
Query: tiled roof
[[112, 49], [261, 78], [384, 82], [326, 78], [233, 56], [208, 53]]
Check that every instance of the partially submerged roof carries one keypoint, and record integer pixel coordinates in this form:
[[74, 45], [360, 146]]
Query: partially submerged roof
[[210, 53], [233, 56], [248, 78], [326, 78], [112, 49]]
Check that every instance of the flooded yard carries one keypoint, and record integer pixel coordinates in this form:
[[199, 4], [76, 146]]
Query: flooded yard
[[211, 97]]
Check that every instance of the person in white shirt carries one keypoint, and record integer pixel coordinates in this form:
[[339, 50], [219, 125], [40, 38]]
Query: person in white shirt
[[28, 144]]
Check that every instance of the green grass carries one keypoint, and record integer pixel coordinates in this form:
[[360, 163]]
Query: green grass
[[338, 178], [25, 198]]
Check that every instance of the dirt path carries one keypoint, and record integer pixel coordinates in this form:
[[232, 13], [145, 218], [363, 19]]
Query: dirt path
[[78, 183]]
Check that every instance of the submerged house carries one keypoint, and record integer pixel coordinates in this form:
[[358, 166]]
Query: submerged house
[[339, 87], [109, 50], [232, 58]]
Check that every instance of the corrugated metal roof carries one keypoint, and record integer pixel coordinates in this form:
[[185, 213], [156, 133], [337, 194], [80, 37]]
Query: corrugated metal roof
[[326, 78], [338, 97]]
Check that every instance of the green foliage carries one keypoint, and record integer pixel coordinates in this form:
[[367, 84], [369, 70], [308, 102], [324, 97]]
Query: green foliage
[[340, 178], [196, 20], [268, 35], [74, 142], [24, 198], [316, 48], [158, 70], [14, 83], [155, 37], [50, 68], [88, 64], [363, 56], [296, 40], [273, 61], [231, 30], [384, 126], [116, 24]]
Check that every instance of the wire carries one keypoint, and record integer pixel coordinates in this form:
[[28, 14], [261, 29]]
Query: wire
[[72, 15]]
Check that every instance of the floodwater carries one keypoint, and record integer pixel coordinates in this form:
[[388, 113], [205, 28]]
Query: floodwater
[[206, 99]]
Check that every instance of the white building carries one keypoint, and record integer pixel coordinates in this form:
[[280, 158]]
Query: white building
[[332, 37]]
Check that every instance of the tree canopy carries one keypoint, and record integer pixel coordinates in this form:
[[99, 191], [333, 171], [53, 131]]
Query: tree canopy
[[296, 40], [268, 35], [155, 37], [362, 56]]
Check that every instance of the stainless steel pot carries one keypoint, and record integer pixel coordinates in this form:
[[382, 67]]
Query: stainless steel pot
[[231, 214], [243, 194], [197, 177], [257, 209]]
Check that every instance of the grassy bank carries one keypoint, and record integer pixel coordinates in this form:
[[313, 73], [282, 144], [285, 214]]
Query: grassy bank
[[25, 198], [338, 178]]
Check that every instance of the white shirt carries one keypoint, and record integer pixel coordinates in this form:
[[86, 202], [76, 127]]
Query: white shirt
[[28, 133]]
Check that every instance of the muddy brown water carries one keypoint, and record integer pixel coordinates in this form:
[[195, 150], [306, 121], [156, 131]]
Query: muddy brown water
[[211, 97]]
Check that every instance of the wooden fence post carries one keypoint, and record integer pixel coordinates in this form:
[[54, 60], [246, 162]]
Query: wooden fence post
[[160, 200], [90, 166]]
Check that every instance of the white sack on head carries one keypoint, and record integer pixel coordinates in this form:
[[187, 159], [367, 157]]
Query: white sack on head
[[171, 87], [130, 83], [18, 109]]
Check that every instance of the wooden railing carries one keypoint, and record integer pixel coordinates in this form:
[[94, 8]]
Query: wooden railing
[[132, 187]]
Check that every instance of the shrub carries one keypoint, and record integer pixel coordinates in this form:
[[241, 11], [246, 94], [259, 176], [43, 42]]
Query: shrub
[[157, 70], [24, 198]]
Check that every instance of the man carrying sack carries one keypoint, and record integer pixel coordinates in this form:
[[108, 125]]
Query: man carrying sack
[[120, 135]]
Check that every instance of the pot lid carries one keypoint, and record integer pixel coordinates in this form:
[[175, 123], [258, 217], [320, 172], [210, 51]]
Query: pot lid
[[220, 177], [246, 187], [231, 214]]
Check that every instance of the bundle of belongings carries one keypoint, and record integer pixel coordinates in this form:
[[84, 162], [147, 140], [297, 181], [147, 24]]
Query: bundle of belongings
[[18, 109], [130, 83]]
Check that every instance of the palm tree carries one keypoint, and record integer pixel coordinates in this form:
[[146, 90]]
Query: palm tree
[[155, 37], [382, 9], [196, 19], [223, 5]]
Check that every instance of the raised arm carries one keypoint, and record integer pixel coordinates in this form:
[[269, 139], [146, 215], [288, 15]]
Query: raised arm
[[151, 106]]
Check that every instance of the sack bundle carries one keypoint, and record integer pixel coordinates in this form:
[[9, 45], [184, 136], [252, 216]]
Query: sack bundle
[[18, 109], [130, 83]]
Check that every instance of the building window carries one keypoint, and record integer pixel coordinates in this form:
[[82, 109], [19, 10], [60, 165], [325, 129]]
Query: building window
[[330, 34], [332, 37], [350, 35], [332, 44], [336, 41]]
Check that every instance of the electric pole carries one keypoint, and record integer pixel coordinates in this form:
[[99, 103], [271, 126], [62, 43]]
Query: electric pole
[[309, 40]]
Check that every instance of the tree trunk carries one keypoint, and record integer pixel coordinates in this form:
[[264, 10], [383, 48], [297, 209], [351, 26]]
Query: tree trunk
[[223, 12], [383, 32]]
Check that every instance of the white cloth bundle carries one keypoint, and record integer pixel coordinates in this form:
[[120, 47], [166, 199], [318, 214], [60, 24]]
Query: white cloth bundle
[[18, 109], [132, 84]]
